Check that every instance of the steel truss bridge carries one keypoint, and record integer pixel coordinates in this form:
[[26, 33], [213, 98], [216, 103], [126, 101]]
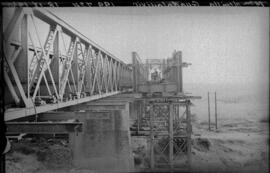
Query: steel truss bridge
[[67, 68], [63, 68]]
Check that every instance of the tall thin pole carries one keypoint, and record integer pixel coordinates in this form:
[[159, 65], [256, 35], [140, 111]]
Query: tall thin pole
[[179, 78], [138, 115], [209, 120], [189, 131], [171, 135], [134, 68], [216, 109], [152, 142]]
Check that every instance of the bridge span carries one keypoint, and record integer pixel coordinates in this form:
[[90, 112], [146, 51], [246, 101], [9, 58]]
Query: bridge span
[[66, 83], [66, 69]]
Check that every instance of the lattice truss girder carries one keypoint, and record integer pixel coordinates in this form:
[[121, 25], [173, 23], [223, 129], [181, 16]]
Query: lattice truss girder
[[160, 118], [161, 147], [62, 63], [140, 72]]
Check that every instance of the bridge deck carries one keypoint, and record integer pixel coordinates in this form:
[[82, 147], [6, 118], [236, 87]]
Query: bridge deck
[[15, 113]]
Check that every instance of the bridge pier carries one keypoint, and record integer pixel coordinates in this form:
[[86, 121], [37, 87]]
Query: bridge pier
[[105, 143]]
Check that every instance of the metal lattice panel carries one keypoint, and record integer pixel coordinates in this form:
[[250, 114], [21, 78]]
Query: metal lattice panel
[[169, 135], [55, 68]]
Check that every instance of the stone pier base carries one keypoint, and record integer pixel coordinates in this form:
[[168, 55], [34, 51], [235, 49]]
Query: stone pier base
[[105, 143]]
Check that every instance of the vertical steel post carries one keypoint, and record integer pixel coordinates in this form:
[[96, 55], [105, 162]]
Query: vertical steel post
[[180, 72], [55, 61], [138, 115], [134, 68], [88, 74], [188, 133], [148, 78], [152, 142], [209, 120], [171, 135], [216, 109], [163, 68], [168, 73], [73, 77], [177, 116], [22, 63], [179, 79]]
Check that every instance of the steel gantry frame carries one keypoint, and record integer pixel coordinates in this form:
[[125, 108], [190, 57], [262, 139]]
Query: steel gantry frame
[[170, 133], [159, 114], [40, 76], [171, 69]]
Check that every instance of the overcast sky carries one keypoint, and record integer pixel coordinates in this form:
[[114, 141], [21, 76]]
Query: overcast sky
[[224, 45]]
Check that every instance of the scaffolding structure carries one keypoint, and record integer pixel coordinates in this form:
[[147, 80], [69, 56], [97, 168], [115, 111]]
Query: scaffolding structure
[[164, 115]]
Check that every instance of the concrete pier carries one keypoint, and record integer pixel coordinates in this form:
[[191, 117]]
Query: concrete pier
[[105, 143]]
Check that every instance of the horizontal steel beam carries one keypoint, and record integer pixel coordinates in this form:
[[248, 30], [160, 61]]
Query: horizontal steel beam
[[128, 94], [31, 48], [68, 115], [106, 103], [102, 107], [118, 101], [43, 127], [135, 132], [157, 87], [15, 113], [172, 97]]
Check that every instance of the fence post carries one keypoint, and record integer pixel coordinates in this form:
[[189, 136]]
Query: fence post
[[216, 109], [209, 120]]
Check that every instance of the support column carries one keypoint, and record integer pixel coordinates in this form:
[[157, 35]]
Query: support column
[[105, 143], [152, 140], [179, 79], [189, 130], [135, 74], [171, 116]]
